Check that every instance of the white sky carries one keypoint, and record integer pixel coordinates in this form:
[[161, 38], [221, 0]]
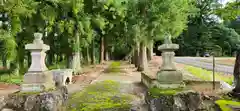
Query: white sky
[[225, 1]]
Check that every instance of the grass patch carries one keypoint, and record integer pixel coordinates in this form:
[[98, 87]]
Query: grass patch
[[224, 105], [156, 92], [102, 96], [207, 75], [114, 67], [11, 78]]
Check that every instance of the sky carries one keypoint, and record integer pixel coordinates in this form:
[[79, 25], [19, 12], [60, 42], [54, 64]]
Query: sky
[[224, 2]]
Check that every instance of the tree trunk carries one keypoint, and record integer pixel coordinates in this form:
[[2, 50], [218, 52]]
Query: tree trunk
[[50, 58], [20, 59], [132, 58], [106, 55], [93, 53], [87, 56], [197, 54], [69, 60], [143, 58], [4, 61], [136, 55], [236, 73], [150, 51], [102, 50], [106, 52], [29, 59], [76, 63]]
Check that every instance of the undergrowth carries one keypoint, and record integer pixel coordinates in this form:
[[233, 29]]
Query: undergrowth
[[102, 96]]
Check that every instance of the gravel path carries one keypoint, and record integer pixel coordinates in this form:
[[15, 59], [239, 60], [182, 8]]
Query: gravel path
[[196, 61]]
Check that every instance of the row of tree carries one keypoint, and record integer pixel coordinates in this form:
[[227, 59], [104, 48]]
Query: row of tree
[[93, 31]]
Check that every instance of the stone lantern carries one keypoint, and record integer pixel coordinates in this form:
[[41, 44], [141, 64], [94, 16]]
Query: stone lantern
[[168, 76], [38, 78]]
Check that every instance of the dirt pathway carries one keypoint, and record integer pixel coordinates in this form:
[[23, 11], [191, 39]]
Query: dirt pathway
[[84, 79]]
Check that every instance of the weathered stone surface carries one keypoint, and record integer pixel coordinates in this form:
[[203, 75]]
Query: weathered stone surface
[[183, 101], [46, 101], [62, 77], [170, 77], [37, 81]]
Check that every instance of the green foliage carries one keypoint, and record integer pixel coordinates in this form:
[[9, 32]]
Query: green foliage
[[59, 65], [207, 75], [156, 92], [100, 96], [225, 105], [11, 79], [230, 12], [7, 45], [171, 13], [235, 25]]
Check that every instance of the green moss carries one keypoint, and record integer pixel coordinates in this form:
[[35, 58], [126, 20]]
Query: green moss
[[225, 104], [33, 93], [114, 67], [102, 96], [26, 93], [156, 92]]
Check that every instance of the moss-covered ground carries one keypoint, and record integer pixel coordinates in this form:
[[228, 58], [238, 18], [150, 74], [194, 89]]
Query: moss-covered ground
[[101, 96], [156, 92], [227, 105], [114, 67]]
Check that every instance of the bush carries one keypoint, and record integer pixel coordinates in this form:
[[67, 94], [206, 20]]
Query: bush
[[102, 96]]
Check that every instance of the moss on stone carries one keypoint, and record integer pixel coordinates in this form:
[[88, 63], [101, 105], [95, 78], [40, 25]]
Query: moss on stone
[[102, 96], [156, 92], [32, 93], [224, 105]]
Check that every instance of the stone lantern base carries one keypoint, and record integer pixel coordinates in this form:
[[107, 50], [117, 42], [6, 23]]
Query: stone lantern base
[[37, 82], [169, 79]]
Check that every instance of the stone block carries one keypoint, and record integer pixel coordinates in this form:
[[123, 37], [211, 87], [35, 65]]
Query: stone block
[[182, 101], [62, 77], [147, 80], [172, 77], [37, 82], [42, 101]]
